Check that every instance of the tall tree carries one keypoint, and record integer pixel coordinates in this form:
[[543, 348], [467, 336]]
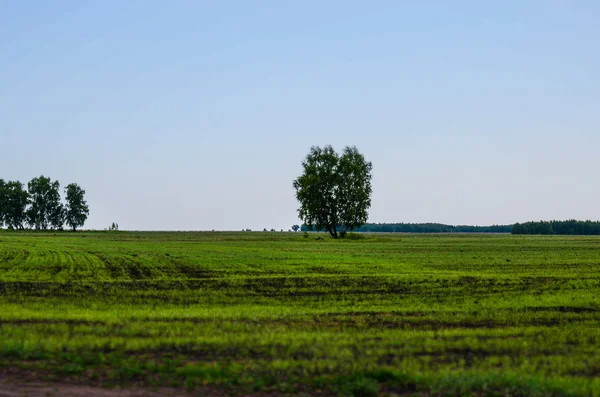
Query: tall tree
[[354, 189], [3, 194], [76, 210], [14, 203], [46, 210], [334, 191]]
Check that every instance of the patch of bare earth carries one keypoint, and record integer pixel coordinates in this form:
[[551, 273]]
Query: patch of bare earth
[[19, 387], [10, 388], [16, 382]]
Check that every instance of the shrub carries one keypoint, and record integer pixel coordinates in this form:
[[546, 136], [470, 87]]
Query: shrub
[[355, 236]]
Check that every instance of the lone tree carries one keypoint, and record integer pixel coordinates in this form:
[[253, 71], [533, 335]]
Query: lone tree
[[76, 210], [334, 191]]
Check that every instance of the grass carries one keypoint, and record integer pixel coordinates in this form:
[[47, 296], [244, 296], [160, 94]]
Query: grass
[[446, 315]]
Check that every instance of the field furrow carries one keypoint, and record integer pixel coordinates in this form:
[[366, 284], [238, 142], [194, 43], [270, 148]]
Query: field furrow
[[494, 315]]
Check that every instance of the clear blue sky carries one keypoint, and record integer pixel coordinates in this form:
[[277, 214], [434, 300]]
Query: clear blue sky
[[197, 114]]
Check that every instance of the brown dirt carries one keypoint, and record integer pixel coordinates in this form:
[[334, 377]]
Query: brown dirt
[[9, 388], [19, 385]]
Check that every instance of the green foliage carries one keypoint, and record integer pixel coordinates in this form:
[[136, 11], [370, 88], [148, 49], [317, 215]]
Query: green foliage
[[355, 236], [334, 191], [40, 206], [360, 386], [13, 203], [76, 210], [439, 315], [3, 198], [426, 228], [570, 227], [46, 209]]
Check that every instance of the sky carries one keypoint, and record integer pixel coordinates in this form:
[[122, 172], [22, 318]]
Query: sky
[[196, 115]]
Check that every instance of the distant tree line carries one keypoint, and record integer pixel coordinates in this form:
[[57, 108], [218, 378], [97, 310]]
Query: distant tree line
[[569, 227], [425, 228], [39, 206]]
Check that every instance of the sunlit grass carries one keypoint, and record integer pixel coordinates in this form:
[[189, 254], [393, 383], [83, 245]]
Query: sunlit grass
[[498, 315]]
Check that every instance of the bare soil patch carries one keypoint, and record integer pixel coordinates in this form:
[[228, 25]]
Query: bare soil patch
[[10, 388]]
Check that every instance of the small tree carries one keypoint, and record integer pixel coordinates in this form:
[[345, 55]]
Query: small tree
[[76, 210], [295, 228], [334, 191]]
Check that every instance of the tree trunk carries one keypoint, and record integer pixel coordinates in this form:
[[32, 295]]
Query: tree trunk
[[333, 232]]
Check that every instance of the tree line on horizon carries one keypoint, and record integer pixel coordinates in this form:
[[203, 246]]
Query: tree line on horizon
[[425, 228], [334, 192], [568, 227], [39, 206]]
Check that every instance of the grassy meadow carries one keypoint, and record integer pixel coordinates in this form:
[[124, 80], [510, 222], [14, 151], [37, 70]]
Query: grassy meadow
[[443, 315]]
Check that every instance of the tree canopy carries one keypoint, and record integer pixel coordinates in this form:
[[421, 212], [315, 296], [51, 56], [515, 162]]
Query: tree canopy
[[76, 210], [13, 203], [426, 228], [45, 210], [40, 205], [334, 191], [568, 227]]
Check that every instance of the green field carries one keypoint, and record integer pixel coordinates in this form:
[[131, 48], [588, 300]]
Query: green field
[[390, 314]]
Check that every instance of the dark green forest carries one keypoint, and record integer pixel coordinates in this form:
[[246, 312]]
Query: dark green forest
[[426, 228], [569, 227]]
